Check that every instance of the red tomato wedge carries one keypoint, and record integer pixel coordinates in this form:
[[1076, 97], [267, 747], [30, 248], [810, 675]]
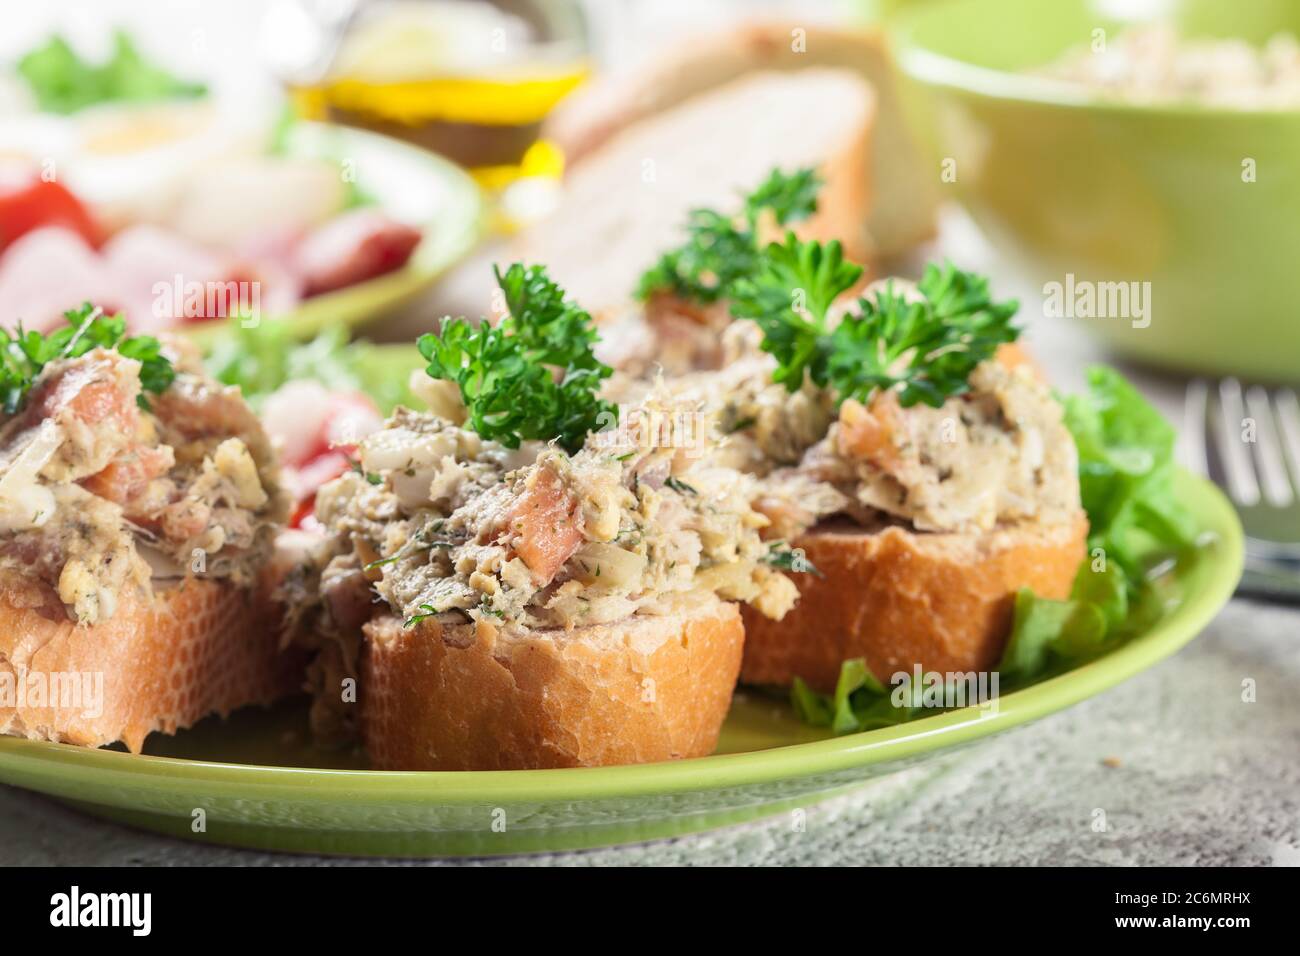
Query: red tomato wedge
[[28, 202]]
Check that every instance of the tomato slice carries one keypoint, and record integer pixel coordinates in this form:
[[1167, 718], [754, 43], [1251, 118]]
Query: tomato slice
[[29, 202], [304, 482]]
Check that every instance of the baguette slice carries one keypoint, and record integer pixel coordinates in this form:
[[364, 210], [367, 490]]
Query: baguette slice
[[198, 647], [904, 186], [899, 598], [475, 697], [627, 202]]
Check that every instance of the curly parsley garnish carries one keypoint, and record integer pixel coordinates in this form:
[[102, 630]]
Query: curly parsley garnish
[[722, 248], [535, 375], [924, 347], [24, 354]]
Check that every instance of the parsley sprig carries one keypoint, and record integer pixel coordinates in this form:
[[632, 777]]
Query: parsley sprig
[[23, 354], [924, 347], [719, 248], [535, 375]]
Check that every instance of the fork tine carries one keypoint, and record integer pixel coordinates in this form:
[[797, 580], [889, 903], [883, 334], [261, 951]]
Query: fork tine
[[1288, 421], [1242, 484], [1191, 442], [1268, 453]]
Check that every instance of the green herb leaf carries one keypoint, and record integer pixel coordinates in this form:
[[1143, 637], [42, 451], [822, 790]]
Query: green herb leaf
[[429, 611], [784, 558], [535, 375], [720, 249], [679, 486], [24, 354], [63, 82], [789, 297], [790, 197], [924, 347]]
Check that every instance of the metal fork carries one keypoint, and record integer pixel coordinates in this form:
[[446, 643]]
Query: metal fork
[[1249, 444]]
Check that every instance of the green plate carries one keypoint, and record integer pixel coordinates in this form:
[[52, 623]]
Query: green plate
[[258, 784], [420, 188]]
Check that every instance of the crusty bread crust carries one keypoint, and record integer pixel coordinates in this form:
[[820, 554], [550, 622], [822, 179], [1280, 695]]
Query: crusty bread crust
[[899, 598], [475, 697], [905, 195], [198, 647]]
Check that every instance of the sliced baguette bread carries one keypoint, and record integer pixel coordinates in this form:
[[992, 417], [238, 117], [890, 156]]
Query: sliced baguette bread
[[478, 697], [903, 186], [900, 598], [628, 200], [198, 647]]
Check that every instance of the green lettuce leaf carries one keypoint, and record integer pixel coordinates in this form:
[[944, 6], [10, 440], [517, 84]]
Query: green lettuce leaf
[[1126, 466], [261, 359]]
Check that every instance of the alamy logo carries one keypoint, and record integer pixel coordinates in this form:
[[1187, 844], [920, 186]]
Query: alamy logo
[[1082, 299], [80, 692], [103, 909], [945, 690], [208, 300]]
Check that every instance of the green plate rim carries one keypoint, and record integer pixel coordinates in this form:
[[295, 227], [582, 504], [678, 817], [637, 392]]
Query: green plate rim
[[1224, 556], [382, 293]]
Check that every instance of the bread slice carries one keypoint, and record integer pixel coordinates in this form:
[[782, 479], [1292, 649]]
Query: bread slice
[[900, 598], [904, 186], [198, 647], [627, 201], [478, 697]]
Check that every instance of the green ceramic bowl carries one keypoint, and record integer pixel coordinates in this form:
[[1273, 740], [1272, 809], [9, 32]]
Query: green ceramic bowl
[[252, 781], [1065, 183]]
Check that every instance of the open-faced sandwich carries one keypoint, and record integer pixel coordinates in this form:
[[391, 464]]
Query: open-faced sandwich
[[912, 464], [932, 497], [139, 502], [919, 473], [519, 579]]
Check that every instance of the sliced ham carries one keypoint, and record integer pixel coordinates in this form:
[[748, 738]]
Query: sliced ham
[[352, 248], [48, 271]]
